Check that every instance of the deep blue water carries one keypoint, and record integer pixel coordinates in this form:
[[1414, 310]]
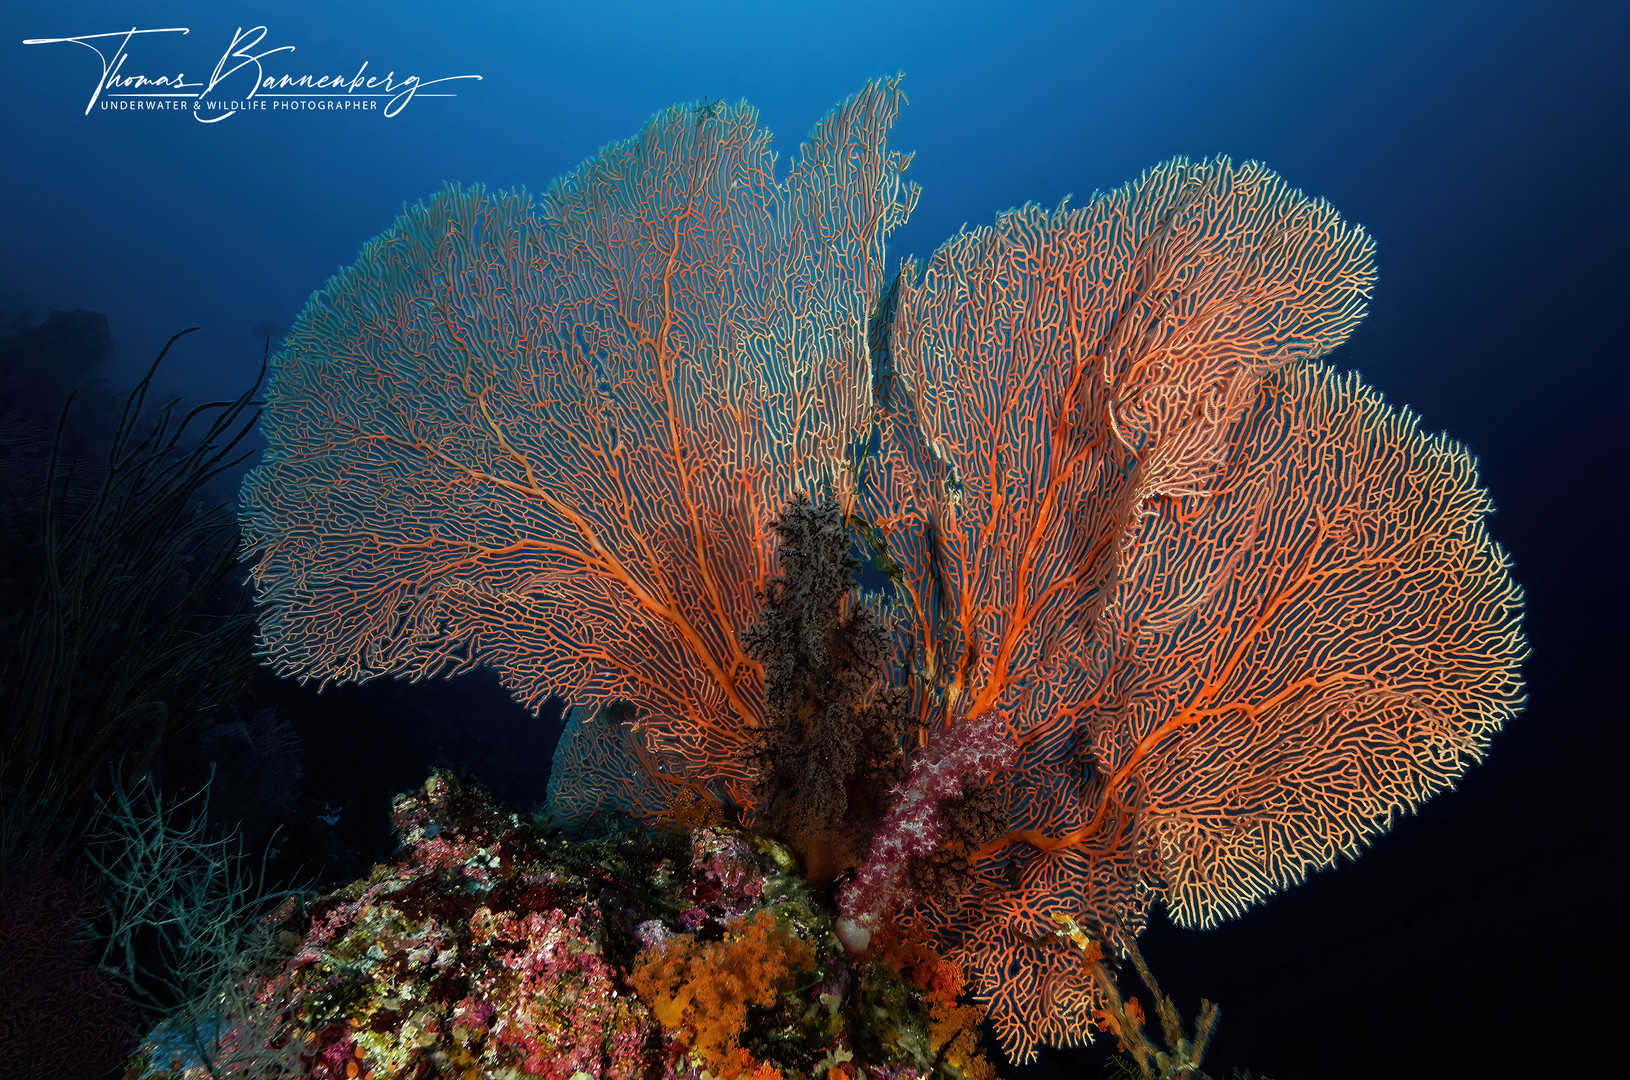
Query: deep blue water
[[1484, 144]]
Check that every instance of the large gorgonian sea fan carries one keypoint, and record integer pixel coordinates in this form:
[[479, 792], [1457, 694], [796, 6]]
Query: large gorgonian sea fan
[[1234, 612], [546, 436], [1196, 613]]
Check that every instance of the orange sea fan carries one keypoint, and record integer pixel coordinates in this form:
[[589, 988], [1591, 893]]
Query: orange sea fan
[[1224, 613]]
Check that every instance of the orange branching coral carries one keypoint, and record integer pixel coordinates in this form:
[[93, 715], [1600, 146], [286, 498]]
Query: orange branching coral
[[1107, 1021], [688, 811], [703, 989]]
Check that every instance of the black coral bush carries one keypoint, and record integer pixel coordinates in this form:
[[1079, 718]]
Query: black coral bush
[[832, 744]]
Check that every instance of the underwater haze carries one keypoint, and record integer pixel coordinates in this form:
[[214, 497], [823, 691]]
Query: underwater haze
[[1483, 146]]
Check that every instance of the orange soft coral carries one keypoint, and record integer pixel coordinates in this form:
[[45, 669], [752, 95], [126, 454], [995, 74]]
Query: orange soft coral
[[954, 1028], [701, 990]]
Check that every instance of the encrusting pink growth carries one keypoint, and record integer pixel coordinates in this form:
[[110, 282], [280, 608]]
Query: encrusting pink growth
[[912, 830]]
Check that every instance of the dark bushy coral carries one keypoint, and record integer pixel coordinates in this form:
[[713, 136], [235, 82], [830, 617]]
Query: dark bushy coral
[[60, 1017], [832, 744]]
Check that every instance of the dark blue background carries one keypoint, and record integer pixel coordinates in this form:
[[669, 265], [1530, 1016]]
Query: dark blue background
[[1483, 143]]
